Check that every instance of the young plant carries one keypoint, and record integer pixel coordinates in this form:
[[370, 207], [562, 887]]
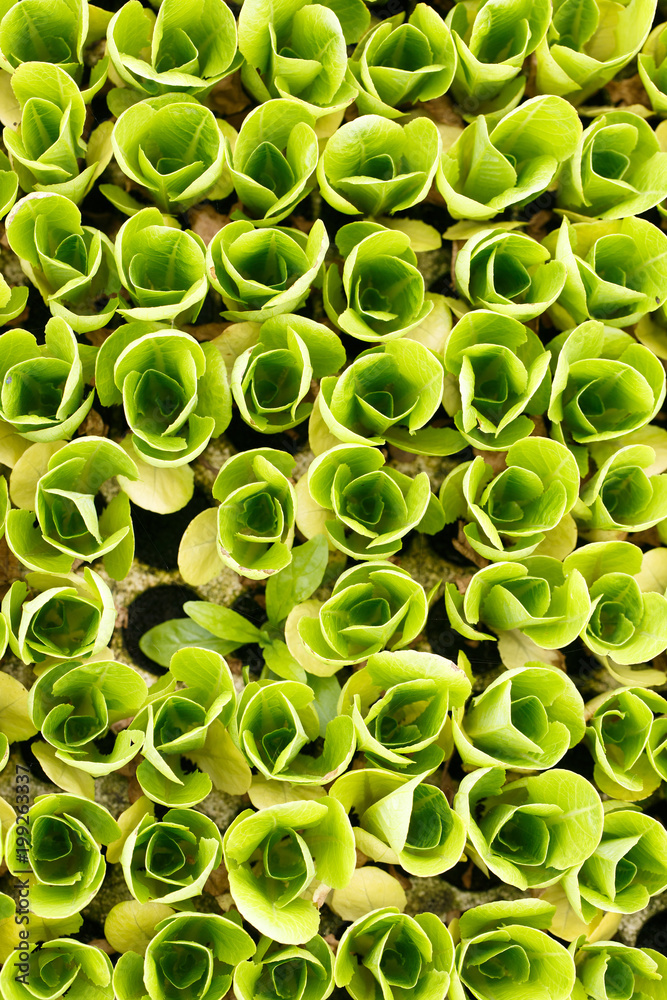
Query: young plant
[[46, 146], [580, 54], [605, 384], [614, 271], [174, 391], [61, 967], [387, 953], [62, 523], [45, 394], [373, 606], [626, 624], [502, 375], [271, 380], [55, 33], [170, 145], [628, 867], [504, 952], [399, 62], [72, 266], [609, 969], [299, 49], [401, 820], [509, 515], [619, 735], [388, 394], [163, 270], [371, 166], [486, 170], [191, 954], [190, 721], [58, 617], [622, 495], [652, 67], [274, 157], [57, 844], [256, 514], [262, 273], [546, 600], [380, 295], [526, 720], [617, 170], [400, 704], [185, 49], [273, 856], [493, 38], [170, 859], [530, 832], [75, 705], [509, 273], [278, 726], [372, 506], [276, 968]]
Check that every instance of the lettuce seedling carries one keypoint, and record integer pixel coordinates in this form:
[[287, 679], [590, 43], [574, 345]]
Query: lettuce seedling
[[187, 48], [530, 832], [372, 505], [509, 273], [174, 391], [628, 867], [299, 49], [373, 606], [652, 66], [509, 515], [626, 624], [622, 495], [72, 266], [61, 967], [493, 38], [488, 169], [47, 145], [271, 381], [58, 617], [274, 968], [274, 157], [614, 271], [526, 720], [163, 269], [609, 969], [504, 952], [62, 523], [278, 726], [380, 295], [402, 820], [399, 62], [617, 170], [586, 46], [388, 953], [262, 273], [57, 32], [169, 859], [371, 166], [170, 145], [44, 394], [190, 954], [400, 704], [71, 828], [502, 374], [273, 856]]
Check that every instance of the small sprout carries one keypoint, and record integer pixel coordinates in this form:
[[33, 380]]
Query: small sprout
[[273, 856], [58, 616], [262, 273], [61, 852], [609, 969], [276, 968], [622, 495], [31, 31], [530, 832], [371, 166], [61, 967]]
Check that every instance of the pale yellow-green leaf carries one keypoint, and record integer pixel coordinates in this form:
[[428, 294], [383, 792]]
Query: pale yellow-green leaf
[[636, 675], [263, 793], [10, 109], [28, 470], [320, 437], [161, 490], [223, 761], [198, 559], [516, 650], [127, 821], [130, 925], [653, 574], [464, 230], [236, 339], [560, 541], [15, 721], [422, 236], [568, 926], [369, 889], [41, 929], [71, 779], [300, 652], [310, 517], [12, 445], [433, 331]]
